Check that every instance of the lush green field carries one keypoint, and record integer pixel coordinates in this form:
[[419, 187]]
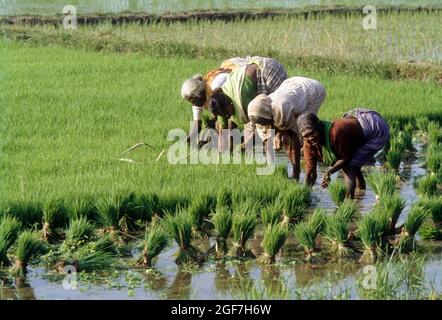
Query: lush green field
[[50, 7], [67, 114]]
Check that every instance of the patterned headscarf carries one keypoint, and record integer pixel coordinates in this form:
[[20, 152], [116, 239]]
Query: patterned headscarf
[[260, 107]]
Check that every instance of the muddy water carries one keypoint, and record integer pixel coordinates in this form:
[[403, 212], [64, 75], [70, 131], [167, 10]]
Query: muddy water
[[291, 278]]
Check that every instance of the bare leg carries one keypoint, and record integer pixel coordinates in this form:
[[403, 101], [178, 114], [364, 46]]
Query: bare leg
[[293, 151], [350, 181], [360, 181]]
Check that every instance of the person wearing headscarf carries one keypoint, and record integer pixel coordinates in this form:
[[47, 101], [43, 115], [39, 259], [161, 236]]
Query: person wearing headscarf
[[281, 109], [198, 89], [230, 102], [346, 143]]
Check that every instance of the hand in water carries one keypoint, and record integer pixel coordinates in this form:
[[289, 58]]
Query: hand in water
[[325, 180]]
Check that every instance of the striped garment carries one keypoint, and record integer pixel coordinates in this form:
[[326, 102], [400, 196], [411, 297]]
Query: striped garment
[[270, 74]]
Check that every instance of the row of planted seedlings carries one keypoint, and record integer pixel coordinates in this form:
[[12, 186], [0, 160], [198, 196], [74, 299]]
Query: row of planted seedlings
[[230, 219], [428, 186], [91, 235]]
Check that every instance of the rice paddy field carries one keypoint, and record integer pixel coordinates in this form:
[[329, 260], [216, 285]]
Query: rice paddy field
[[83, 218]]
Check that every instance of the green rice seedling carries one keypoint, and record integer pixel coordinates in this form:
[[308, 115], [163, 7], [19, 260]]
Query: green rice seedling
[[434, 133], [394, 124], [370, 231], [54, 215], [271, 214], [407, 137], [337, 191], [222, 221], [155, 241], [199, 209], [83, 206], [243, 227], [427, 185], [430, 232], [88, 261], [422, 123], [415, 219], [392, 207], [80, 230], [29, 246], [29, 213], [179, 227], [9, 229], [434, 207], [273, 240], [336, 232], [294, 201], [104, 243], [224, 198], [347, 210], [306, 236], [394, 157], [317, 220], [383, 184], [434, 158], [307, 231], [108, 212]]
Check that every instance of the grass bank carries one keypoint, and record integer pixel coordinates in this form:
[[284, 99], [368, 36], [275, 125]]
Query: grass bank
[[404, 45]]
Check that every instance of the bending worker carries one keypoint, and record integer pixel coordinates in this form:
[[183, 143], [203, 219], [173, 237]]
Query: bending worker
[[347, 143], [281, 109]]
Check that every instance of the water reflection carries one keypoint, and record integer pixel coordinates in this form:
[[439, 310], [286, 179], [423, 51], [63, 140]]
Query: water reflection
[[19, 289], [181, 286]]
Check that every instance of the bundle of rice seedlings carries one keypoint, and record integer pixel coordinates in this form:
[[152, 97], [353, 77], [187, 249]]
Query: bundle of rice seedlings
[[9, 229], [394, 157], [83, 206], [108, 212], [80, 230], [243, 227], [88, 261], [29, 246], [415, 219], [370, 231], [347, 210], [392, 207], [155, 241], [105, 244], [434, 207], [306, 236], [294, 201], [336, 232], [434, 158], [430, 232], [427, 185], [271, 214], [179, 227], [383, 184], [337, 191], [317, 220], [199, 209], [28, 212], [222, 221], [273, 240], [224, 198], [54, 215]]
